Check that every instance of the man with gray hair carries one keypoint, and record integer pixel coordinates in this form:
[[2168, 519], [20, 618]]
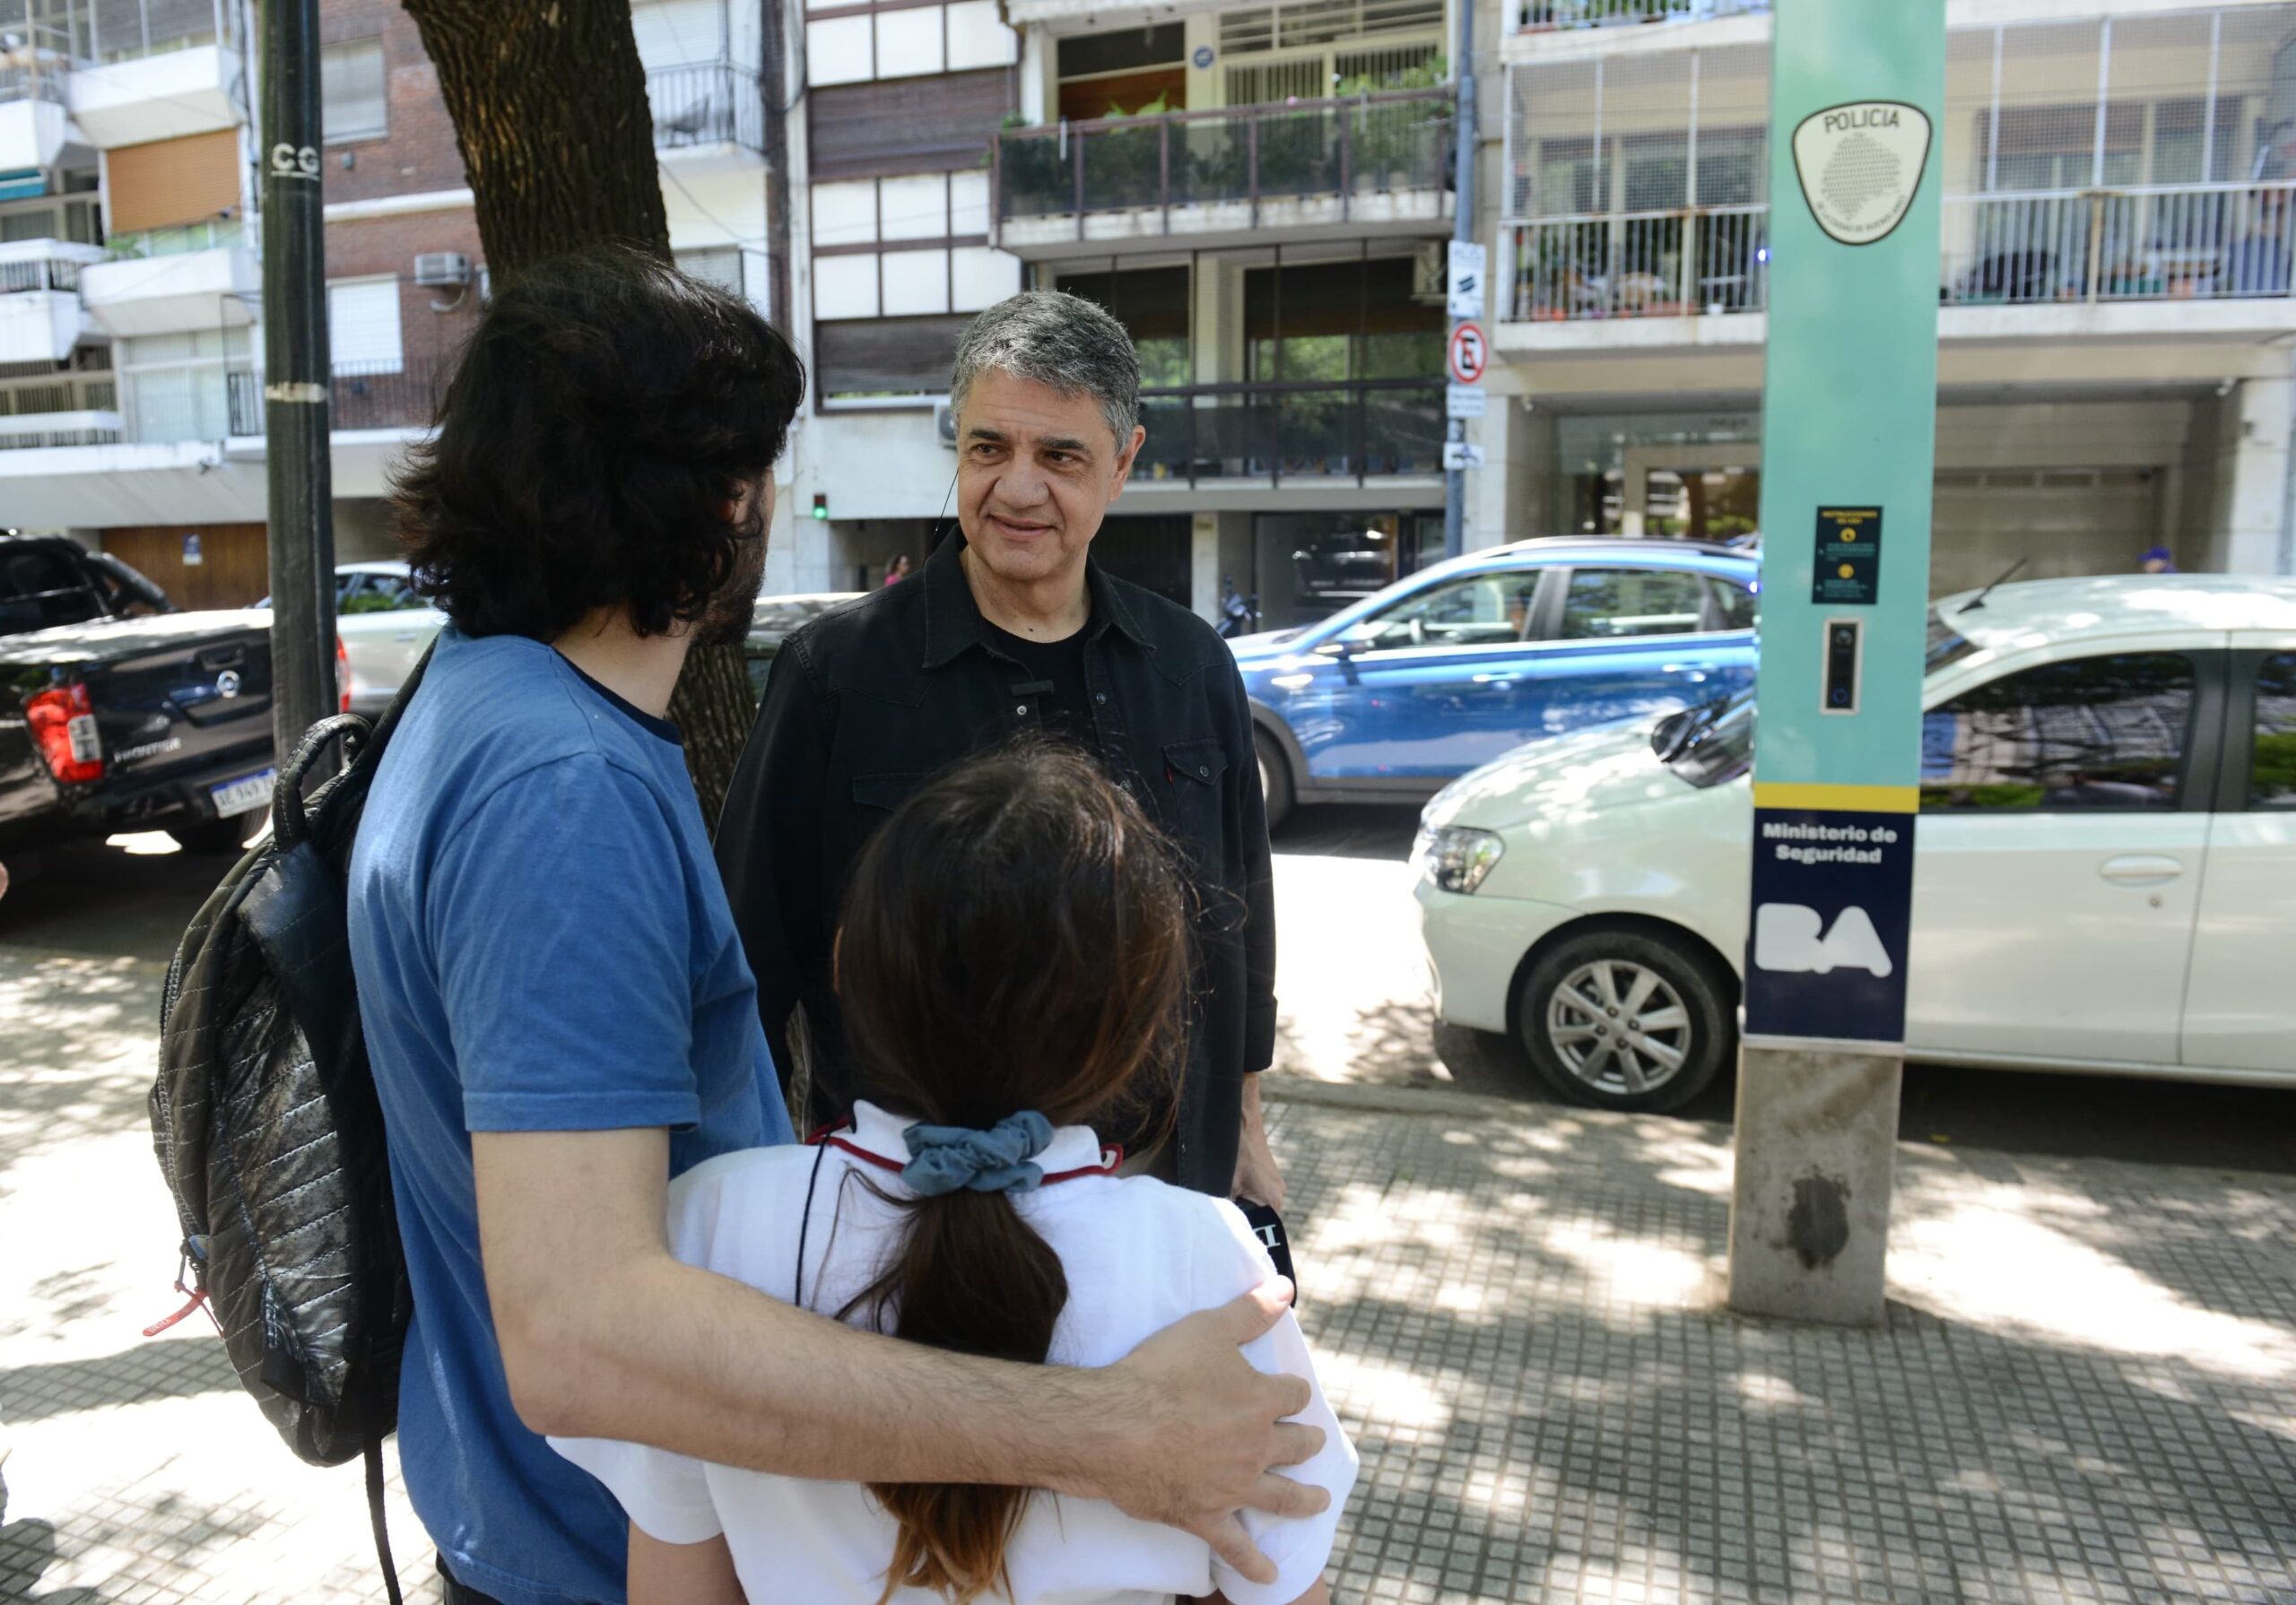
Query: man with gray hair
[[1015, 630]]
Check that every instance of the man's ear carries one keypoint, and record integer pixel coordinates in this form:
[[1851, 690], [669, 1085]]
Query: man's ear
[[1126, 458]]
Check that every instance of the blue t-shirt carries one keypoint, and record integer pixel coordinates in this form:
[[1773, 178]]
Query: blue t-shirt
[[543, 944]]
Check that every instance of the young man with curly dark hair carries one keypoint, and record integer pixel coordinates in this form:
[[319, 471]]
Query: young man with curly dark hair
[[561, 1016]]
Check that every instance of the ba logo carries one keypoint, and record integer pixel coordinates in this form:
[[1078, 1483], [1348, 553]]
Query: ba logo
[[1791, 938]]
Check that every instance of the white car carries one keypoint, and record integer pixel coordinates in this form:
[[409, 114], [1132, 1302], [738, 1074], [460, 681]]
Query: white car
[[2105, 863], [384, 627]]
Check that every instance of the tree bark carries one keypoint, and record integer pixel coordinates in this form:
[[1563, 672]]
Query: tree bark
[[548, 99]]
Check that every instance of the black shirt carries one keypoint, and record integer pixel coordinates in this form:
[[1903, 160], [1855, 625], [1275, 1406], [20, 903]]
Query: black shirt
[[1055, 682], [869, 700]]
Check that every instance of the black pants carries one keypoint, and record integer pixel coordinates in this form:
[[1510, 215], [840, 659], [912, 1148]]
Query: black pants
[[456, 1595]]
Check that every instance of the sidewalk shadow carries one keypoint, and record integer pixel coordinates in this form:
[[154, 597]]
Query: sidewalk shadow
[[27, 1550], [1525, 1333], [156, 1369]]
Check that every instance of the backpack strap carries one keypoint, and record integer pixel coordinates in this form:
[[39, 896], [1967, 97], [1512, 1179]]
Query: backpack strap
[[373, 1452]]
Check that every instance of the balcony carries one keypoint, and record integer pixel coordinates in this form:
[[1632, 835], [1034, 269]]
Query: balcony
[[1370, 165], [64, 409], [1357, 432], [360, 396], [166, 281], [708, 116], [1544, 16], [41, 318], [2221, 253], [34, 125], [160, 69]]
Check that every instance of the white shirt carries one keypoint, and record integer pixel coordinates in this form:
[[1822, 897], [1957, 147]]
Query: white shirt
[[1139, 1255]]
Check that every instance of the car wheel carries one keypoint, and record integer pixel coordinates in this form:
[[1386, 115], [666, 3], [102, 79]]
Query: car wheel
[[212, 837], [1275, 778], [1624, 1020]]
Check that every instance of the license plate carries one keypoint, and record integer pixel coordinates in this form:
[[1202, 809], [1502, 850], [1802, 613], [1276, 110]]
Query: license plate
[[243, 795]]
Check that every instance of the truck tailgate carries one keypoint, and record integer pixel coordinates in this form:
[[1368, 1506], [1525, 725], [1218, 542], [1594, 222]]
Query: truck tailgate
[[181, 700]]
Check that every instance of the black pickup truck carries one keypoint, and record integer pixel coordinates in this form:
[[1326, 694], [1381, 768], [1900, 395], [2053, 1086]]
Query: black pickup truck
[[117, 713]]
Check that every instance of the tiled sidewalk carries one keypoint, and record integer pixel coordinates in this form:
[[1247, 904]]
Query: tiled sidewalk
[[2086, 1390]]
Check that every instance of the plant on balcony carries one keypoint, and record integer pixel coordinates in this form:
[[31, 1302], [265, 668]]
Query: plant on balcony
[[1033, 181], [1124, 165], [1398, 144]]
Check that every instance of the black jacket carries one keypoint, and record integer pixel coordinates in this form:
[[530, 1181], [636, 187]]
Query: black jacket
[[866, 702]]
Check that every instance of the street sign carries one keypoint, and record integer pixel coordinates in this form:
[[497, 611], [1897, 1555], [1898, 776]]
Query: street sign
[[1859, 165], [1470, 354], [1458, 455], [1465, 288], [1463, 401]]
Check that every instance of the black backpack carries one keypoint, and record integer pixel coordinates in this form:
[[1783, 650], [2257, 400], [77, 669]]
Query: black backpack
[[269, 1131]]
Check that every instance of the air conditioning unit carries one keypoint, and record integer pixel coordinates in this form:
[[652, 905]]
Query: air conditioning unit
[[441, 267], [945, 423]]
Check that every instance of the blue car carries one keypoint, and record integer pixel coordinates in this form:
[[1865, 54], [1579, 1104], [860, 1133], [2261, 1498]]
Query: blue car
[[1394, 695]]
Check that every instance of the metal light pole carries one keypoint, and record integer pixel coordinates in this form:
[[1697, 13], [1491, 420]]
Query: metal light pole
[[1455, 481], [295, 377]]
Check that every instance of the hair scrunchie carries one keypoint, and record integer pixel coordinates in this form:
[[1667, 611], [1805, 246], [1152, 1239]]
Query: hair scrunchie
[[944, 1159]]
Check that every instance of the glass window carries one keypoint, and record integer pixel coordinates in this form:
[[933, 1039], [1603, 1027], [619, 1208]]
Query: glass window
[[1739, 607], [2272, 777], [2094, 732], [41, 587], [351, 98], [1609, 604], [1488, 610]]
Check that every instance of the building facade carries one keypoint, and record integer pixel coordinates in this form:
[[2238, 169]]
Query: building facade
[[131, 338], [2115, 316], [1263, 194]]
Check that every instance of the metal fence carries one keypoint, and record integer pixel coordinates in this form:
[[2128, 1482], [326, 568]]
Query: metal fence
[[715, 103], [125, 30], [28, 408], [361, 396], [2192, 242], [1541, 15], [1357, 430], [2204, 242], [1647, 264], [39, 272], [37, 82], [1364, 145]]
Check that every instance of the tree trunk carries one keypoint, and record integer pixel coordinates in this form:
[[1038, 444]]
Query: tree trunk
[[548, 99]]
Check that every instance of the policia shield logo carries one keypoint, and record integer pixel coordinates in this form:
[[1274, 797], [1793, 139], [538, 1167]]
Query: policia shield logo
[[1859, 166]]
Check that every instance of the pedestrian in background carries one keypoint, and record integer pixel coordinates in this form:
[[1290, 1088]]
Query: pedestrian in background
[[897, 571], [2156, 561], [1011, 629], [1013, 960]]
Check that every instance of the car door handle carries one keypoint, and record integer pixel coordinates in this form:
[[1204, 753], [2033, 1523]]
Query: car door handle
[[2141, 868], [1497, 682]]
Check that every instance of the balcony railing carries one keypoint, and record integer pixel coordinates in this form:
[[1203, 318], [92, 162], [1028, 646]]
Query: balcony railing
[[361, 396], [42, 81], [1638, 264], [1539, 17], [1367, 146], [2201, 242], [59, 272], [715, 103], [180, 240], [41, 411], [2195, 242], [1357, 430]]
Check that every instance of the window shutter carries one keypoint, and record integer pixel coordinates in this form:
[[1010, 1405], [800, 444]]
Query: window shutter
[[362, 326]]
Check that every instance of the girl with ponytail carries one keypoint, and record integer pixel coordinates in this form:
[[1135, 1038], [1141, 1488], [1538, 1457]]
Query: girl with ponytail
[[1014, 967]]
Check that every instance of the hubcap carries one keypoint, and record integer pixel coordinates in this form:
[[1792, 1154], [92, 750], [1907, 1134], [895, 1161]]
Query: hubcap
[[1619, 1026], [1265, 791]]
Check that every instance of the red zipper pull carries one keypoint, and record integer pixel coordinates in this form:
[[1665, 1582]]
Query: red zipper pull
[[198, 1300]]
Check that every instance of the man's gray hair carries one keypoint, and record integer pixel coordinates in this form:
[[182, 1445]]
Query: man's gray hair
[[1057, 339]]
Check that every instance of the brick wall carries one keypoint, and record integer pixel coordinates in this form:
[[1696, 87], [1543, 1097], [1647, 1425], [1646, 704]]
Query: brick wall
[[417, 152], [373, 245]]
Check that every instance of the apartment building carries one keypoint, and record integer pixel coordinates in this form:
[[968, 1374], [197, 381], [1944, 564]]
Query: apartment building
[[1260, 192], [2115, 314], [130, 281]]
